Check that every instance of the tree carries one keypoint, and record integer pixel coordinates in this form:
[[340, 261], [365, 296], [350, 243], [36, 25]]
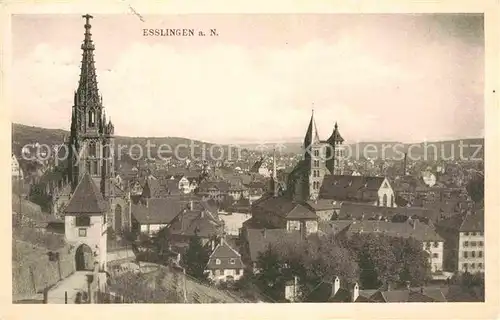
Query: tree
[[416, 267], [312, 261], [475, 189], [383, 259], [195, 258]]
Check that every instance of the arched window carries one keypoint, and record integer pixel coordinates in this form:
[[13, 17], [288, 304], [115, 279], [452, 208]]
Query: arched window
[[91, 118], [92, 149], [392, 200], [385, 200]]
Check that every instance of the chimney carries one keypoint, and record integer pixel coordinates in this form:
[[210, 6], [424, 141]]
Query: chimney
[[336, 286], [407, 285], [264, 233], [415, 221], [191, 206], [388, 285], [355, 292], [213, 245], [422, 290]]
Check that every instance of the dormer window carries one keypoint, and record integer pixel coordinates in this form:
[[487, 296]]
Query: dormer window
[[217, 261], [232, 261]]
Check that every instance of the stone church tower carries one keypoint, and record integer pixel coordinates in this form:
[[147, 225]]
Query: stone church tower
[[91, 141], [305, 180]]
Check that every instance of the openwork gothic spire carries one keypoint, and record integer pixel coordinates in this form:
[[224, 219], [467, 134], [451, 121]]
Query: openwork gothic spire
[[87, 92]]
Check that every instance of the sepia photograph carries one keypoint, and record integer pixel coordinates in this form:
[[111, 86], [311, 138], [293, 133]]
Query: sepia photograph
[[248, 158]]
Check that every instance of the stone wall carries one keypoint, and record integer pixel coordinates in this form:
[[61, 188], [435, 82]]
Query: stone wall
[[34, 272]]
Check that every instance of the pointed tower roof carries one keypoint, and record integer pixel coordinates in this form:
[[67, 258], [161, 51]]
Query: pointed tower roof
[[86, 199], [312, 136], [87, 87], [335, 137]]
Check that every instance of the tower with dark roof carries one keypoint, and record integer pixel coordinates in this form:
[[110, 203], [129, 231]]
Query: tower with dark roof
[[91, 140], [335, 152], [306, 178]]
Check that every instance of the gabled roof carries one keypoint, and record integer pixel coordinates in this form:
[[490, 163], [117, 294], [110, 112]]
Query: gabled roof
[[473, 222], [224, 252], [87, 199], [347, 187], [285, 208], [159, 211]]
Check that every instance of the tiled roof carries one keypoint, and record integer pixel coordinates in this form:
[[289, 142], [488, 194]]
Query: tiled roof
[[259, 239], [194, 222], [159, 211], [420, 232], [221, 186], [323, 204], [473, 222], [87, 199], [348, 187], [284, 207], [225, 253], [360, 210]]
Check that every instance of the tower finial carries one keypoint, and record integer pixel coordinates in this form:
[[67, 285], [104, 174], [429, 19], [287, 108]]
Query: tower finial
[[312, 109], [87, 18], [336, 125]]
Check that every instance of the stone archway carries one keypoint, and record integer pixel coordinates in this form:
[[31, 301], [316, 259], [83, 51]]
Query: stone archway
[[118, 218], [84, 258]]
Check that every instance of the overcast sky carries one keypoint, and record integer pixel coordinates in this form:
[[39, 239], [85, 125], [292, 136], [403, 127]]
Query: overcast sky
[[382, 77]]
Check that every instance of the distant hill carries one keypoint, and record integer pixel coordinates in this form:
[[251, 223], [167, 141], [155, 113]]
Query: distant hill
[[440, 150], [24, 135]]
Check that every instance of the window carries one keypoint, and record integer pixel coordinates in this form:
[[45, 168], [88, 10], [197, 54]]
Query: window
[[481, 243], [435, 255], [472, 265], [82, 232], [217, 261], [232, 261], [466, 243], [91, 118], [473, 243], [316, 153], [436, 244], [473, 254], [92, 149], [464, 266], [314, 173], [466, 254], [480, 254], [427, 245], [480, 234], [466, 233], [237, 272], [479, 265], [473, 234], [82, 221]]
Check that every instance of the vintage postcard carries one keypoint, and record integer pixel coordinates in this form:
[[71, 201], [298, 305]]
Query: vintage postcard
[[163, 157]]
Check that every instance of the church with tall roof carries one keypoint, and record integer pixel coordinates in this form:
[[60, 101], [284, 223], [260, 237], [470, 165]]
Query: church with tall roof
[[320, 158]]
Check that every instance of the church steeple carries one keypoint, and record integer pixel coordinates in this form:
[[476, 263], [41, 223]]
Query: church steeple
[[274, 184], [91, 137], [312, 136], [87, 88]]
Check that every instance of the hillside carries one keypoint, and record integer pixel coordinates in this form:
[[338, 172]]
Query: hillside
[[440, 150], [25, 135], [433, 150]]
